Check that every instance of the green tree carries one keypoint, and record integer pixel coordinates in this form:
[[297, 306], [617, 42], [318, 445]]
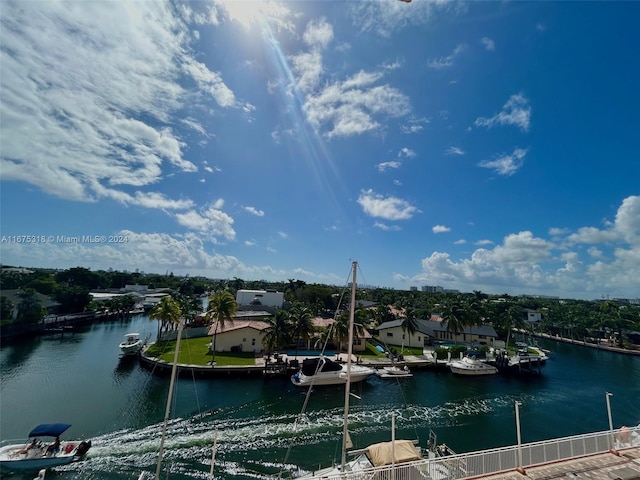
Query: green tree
[[29, 308], [409, 323], [277, 335], [6, 309], [455, 317], [222, 307], [301, 323], [167, 313]]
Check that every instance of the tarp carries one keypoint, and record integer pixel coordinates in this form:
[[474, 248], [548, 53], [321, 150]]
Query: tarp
[[49, 430], [403, 451]]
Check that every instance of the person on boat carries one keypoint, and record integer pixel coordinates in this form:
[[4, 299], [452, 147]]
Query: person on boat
[[54, 447], [31, 446]]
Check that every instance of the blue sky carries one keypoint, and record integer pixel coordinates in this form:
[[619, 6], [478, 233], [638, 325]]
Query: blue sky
[[488, 146]]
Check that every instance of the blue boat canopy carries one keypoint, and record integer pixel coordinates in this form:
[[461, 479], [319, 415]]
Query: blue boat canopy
[[49, 430]]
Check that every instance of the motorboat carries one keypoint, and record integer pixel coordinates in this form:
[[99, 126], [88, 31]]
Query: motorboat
[[525, 359], [470, 365], [394, 371], [36, 454], [324, 371], [132, 344]]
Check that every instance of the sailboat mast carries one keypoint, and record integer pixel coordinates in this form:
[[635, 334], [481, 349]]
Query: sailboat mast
[[347, 388], [174, 371]]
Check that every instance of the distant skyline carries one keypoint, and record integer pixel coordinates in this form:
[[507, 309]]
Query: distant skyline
[[487, 146]]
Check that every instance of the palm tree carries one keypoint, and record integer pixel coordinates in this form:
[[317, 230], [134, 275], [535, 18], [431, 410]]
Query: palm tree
[[340, 328], [167, 312], [301, 324], [409, 323], [277, 334], [454, 315], [222, 306]]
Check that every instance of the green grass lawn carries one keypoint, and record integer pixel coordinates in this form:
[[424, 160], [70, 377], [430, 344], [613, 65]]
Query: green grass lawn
[[195, 351]]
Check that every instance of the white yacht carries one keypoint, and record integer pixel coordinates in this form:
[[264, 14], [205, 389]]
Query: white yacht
[[470, 365], [324, 371]]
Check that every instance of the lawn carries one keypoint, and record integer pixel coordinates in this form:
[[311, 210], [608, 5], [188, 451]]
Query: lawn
[[195, 351]]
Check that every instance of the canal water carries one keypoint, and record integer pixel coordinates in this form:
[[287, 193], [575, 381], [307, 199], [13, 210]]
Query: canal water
[[257, 423]]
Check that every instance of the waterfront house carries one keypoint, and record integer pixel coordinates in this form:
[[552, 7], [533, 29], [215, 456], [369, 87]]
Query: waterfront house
[[246, 330], [434, 331]]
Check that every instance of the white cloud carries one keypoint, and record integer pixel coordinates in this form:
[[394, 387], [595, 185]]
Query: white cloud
[[388, 208], [210, 221], [77, 138], [446, 62], [387, 165], [406, 152], [625, 228], [342, 108], [489, 44], [384, 18], [318, 34], [440, 229], [515, 112], [525, 263], [454, 151], [506, 165], [387, 228], [254, 211]]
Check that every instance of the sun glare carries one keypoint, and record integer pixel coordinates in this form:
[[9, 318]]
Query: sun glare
[[245, 12]]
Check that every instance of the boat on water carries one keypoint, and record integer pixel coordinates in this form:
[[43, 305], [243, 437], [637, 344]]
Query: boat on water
[[394, 371], [324, 371], [525, 359], [470, 365], [131, 344], [36, 455]]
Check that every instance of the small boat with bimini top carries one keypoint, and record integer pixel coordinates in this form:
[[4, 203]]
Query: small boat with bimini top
[[36, 455], [132, 344]]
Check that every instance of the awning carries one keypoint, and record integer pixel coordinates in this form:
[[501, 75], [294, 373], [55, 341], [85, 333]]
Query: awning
[[403, 451], [49, 430]]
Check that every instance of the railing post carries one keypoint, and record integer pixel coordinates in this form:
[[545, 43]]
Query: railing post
[[517, 405], [611, 443]]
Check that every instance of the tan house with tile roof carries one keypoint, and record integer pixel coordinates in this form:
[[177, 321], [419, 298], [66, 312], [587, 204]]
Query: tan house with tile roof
[[247, 335]]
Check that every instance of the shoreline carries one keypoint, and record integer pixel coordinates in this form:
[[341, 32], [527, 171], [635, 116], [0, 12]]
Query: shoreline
[[584, 343], [283, 368]]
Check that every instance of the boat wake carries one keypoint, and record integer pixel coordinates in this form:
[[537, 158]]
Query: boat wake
[[254, 446]]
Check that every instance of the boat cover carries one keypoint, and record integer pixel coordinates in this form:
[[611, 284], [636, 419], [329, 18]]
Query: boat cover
[[380, 454], [49, 430]]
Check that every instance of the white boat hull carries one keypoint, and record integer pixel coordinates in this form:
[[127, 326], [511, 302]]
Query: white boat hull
[[394, 372], [472, 367], [130, 349], [358, 374]]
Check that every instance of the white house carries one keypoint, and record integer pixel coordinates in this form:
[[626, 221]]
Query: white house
[[266, 298], [531, 316]]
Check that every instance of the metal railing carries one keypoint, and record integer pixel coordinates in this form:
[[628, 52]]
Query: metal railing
[[473, 464]]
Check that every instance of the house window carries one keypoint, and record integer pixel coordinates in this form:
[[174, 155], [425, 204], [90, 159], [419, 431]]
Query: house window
[[482, 336], [403, 336], [244, 340], [389, 334], [253, 342]]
